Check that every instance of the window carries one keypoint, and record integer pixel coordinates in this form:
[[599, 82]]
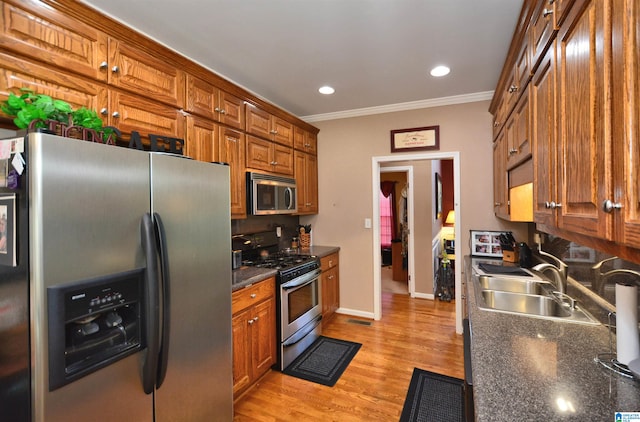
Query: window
[[386, 216]]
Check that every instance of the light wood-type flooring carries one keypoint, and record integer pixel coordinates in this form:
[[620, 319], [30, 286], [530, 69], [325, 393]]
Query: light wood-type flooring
[[412, 333]]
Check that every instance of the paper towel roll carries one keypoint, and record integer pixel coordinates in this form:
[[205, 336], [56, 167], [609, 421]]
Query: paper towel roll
[[627, 342]]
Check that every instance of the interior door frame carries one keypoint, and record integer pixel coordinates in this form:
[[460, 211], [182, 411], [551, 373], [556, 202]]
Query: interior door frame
[[375, 206], [410, 241]]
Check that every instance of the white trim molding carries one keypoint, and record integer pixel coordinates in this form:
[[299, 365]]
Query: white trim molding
[[390, 108]]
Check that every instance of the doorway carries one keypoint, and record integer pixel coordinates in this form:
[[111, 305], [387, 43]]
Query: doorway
[[394, 271], [376, 169]]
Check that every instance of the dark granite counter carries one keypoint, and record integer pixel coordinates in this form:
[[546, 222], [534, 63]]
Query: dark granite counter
[[245, 276], [529, 369], [320, 251]]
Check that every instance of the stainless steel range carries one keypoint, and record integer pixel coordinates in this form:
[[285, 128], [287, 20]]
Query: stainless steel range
[[298, 292]]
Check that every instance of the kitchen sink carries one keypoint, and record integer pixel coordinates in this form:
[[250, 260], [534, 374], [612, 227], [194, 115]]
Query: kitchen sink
[[527, 296], [515, 284], [524, 303]]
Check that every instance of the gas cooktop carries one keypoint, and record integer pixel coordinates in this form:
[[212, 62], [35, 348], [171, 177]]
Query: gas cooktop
[[279, 260]]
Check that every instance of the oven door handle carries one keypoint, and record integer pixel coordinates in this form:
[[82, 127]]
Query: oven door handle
[[301, 281], [302, 333]]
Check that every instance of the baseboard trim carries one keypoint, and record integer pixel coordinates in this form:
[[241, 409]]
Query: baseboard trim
[[354, 312], [424, 296]]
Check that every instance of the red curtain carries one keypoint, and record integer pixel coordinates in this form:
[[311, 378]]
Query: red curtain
[[388, 188]]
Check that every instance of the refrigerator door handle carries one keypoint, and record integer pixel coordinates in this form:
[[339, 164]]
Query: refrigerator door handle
[[152, 305], [165, 284]]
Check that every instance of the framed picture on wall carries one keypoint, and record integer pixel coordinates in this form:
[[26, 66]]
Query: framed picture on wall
[[486, 243], [415, 139]]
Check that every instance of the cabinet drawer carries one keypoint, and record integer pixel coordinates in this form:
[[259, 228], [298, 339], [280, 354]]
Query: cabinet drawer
[[329, 261], [253, 294]]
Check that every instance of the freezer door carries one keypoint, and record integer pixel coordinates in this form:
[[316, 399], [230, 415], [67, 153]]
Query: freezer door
[[192, 200], [87, 201]]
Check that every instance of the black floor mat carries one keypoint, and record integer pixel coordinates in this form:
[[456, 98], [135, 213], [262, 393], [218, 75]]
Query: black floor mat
[[324, 361], [433, 398]]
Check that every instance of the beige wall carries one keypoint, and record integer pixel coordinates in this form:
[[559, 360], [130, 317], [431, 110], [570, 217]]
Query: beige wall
[[345, 151]]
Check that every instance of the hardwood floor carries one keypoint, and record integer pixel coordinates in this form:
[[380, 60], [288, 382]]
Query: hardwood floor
[[412, 333]]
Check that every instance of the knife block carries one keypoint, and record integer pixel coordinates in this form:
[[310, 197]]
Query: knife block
[[511, 256]]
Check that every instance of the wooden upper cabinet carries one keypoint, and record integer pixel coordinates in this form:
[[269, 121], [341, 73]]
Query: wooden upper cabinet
[[305, 141], [518, 135], [500, 182], [214, 103], [626, 124], [265, 125], [16, 73], [541, 30], [201, 141], [306, 175], [130, 113], [44, 34], [584, 118], [499, 117], [137, 71], [543, 137], [269, 156], [231, 147]]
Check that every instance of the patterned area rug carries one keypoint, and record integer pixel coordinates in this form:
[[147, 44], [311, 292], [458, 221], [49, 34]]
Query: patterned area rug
[[324, 361], [433, 398]]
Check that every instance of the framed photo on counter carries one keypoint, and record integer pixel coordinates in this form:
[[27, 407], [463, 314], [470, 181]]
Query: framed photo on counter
[[485, 243]]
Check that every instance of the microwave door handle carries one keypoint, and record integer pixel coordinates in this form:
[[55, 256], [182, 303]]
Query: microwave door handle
[[288, 195]]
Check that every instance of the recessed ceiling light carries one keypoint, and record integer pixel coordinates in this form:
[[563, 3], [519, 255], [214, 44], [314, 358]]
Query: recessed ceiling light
[[327, 90], [440, 71]]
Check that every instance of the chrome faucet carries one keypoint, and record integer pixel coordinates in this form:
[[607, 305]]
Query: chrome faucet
[[600, 278], [558, 268]]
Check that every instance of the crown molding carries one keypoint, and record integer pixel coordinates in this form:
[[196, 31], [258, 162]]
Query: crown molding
[[390, 108]]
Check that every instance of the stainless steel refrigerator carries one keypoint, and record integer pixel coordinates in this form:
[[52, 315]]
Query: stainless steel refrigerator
[[115, 292]]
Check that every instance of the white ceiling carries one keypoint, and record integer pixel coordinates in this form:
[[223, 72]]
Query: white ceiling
[[375, 53]]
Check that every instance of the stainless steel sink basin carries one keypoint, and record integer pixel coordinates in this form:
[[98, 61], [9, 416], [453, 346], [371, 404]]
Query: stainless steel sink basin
[[524, 303], [515, 284], [531, 297]]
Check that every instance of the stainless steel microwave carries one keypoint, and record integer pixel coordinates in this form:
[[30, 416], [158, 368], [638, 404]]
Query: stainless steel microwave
[[268, 194]]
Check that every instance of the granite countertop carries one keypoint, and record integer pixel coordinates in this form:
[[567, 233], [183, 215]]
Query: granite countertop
[[245, 276], [530, 369]]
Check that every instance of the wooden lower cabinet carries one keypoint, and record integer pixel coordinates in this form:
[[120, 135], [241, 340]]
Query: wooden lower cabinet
[[330, 285], [254, 333]]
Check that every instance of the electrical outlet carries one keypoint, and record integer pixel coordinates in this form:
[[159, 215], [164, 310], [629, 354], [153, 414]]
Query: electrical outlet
[[367, 223], [279, 231]]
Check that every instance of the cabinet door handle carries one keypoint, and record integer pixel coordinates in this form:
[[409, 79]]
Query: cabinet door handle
[[497, 204], [104, 65], [547, 12], [222, 111], [217, 109], [116, 114], [250, 322], [273, 132], [104, 111], [513, 151], [513, 89], [496, 124], [255, 319], [115, 69], [608, 206], [253, 295]]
